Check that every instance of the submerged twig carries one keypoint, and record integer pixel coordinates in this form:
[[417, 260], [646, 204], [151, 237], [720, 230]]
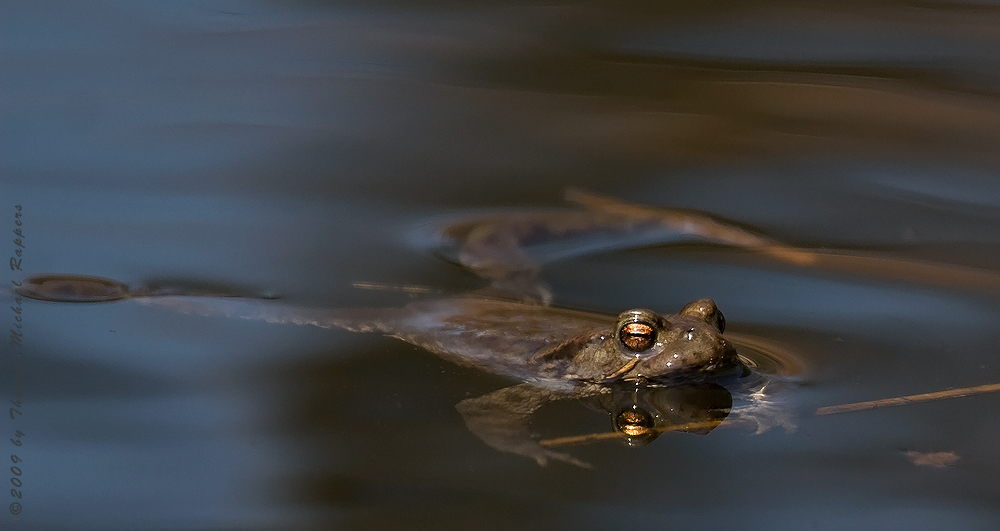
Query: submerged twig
[[910, 399], [589, 438], [405, 288]]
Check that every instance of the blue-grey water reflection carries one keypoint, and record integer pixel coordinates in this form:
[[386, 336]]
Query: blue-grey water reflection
[[295, 148]]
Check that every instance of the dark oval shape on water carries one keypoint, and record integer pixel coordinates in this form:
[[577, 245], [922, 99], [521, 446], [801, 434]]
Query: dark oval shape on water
[[84, 288], [73, 288]]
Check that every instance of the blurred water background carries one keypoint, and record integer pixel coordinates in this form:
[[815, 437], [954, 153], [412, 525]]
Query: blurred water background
[[295, 147]]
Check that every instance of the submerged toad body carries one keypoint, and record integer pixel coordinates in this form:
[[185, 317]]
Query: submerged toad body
[[511, 330]]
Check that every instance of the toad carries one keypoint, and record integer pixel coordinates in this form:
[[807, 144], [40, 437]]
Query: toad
[[650, 371]]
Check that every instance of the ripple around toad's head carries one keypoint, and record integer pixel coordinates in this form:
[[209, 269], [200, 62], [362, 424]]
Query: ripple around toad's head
[[767, 356]]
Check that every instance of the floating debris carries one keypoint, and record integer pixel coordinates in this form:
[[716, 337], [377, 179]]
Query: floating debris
[[934, 459]]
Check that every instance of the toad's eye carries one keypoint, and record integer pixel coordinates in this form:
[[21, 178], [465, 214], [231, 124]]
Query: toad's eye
[[637, 336]]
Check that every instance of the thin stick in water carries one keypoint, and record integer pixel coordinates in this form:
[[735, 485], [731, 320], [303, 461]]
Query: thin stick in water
[[615, 435], [911, 399]]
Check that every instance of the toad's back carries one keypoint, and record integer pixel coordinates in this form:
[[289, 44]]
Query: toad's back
[[499, 336]]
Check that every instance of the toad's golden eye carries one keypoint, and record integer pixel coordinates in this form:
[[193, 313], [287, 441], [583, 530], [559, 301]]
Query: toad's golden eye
[[637, 336]]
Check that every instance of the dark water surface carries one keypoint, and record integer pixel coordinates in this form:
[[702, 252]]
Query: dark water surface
[[295, 148]]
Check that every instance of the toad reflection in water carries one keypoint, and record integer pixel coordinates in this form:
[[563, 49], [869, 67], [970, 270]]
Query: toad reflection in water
[[651, 372]]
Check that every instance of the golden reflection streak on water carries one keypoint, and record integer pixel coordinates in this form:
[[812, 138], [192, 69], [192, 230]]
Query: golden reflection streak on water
[[919, 272], [683, 221], [909, 399], [721, 231], [929, 273]]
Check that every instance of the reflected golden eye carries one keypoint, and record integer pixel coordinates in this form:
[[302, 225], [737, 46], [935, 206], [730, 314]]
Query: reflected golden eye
[[634, 422], [638, 336]]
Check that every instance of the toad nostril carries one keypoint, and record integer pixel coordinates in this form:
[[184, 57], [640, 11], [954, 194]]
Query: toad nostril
[[706, 310]]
